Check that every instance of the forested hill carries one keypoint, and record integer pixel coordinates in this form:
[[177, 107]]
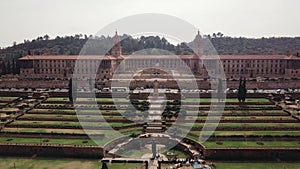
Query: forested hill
[[71, 45]]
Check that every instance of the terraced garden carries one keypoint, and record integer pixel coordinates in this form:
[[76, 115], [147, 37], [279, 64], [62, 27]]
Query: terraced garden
[[258, 123], [54, 121], [250, 125]]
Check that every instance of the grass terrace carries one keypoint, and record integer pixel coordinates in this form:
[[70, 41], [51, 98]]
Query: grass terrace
[[57, 116], [64, 99], [251, 133], [249, 165], [208, 100], [7, 98], [47, 163], [239, 126], [62, 141], [251, 144], [43, 130], [54, 124]]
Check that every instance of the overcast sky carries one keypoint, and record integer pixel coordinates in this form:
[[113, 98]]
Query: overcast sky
[[27, 19]]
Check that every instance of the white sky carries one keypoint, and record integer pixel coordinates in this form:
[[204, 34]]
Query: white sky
[[27, 19]]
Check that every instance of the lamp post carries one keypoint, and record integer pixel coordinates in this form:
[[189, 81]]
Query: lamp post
[[153, 148]]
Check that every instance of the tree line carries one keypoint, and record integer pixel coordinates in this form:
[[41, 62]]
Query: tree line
[[72, 45]]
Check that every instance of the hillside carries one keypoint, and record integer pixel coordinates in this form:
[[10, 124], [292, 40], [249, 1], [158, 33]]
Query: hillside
[[72, 45]]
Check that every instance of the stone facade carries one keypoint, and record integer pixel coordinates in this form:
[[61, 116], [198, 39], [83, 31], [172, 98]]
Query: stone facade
[[234, 66]]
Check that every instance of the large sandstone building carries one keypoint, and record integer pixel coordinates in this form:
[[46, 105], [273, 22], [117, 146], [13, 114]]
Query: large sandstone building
[[234, 66]]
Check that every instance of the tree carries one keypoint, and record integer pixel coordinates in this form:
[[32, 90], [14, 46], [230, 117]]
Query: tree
[[46, 37], [242, 91], [219, 34], [3, 68], [170, 115], [72, 93], [14, 67], [165, 114], [8, 68], [91, 84], [220, 90], [104, 166], [70, 90], [214, 35]]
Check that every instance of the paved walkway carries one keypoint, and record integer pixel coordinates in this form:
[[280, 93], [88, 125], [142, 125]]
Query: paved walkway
[[155, 110]]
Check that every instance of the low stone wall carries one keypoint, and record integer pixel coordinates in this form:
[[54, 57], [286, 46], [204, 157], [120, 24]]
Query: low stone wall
[[46, 150], [202, 84], [250, 138], [49, 135], [252, 154]]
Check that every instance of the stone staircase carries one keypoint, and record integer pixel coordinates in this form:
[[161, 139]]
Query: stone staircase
[[154, 124], [154, 127]]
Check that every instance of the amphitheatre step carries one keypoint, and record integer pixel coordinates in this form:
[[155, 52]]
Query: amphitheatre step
[[154, 131], [154, 128], [154, 125]]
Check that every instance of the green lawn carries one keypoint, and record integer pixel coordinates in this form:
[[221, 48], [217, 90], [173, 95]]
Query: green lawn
[[58, 99], [61, 117], [245, 144], [257, 165], [47, 163], [7, 98], [178, 154], [279, 118], [123, 166], [65, 163], [240, 112], [87, 99], [2, 104], [239, 126], [64, 123], [62, 141], [227, 100], [250, 165], [253, 133], [21, 140], [71, 111], [43, 130]]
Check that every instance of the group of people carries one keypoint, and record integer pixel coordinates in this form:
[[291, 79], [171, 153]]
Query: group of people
[[197, 164]]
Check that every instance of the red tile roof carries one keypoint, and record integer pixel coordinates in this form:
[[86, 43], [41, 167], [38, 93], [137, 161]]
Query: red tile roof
[[256, 57], [97, 57], [65, 57]]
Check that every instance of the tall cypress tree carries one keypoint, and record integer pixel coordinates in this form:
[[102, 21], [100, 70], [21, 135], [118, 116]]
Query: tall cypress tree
[[220, 90], [244, 94], [242, 91], [239, 94], [70, 90], [104, 166]]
